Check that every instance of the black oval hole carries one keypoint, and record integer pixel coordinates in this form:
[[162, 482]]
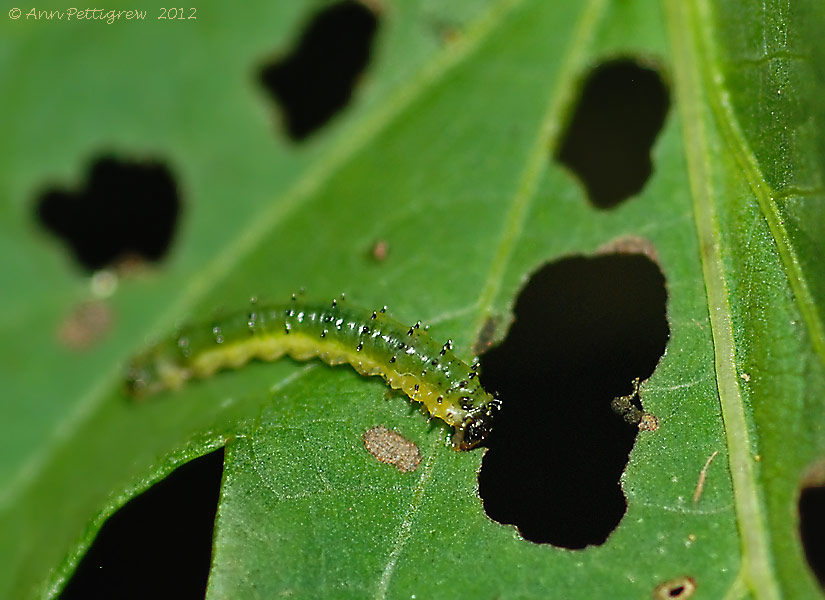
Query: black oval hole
[[584, 329], [159, 545], [607, 145], [317, 79], [812, 525], [126, 210]]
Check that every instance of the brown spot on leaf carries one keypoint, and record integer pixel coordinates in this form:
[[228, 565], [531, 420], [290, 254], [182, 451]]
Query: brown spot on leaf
[[649, 422], [814, 475], [391, 448], [630, 244], [380, 250], [86, 325], [679, 587]]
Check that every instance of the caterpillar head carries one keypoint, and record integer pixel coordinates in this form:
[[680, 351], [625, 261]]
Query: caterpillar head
[[147, 375], [137, 378], [477, 426]]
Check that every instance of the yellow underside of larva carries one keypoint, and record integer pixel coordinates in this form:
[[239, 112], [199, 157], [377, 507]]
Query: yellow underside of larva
[[302, 347]]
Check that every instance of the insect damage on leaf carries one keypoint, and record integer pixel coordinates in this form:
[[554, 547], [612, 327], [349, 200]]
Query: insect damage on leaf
[[392, 448]]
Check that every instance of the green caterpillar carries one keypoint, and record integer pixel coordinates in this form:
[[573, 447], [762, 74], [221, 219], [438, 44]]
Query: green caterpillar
[[371, 341]]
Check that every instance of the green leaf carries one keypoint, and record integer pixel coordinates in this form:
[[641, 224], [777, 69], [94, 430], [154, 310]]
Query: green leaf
[[446, 154]]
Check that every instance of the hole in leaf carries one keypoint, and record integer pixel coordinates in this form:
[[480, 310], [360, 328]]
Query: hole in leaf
[[812, 520], [316, 81], [159, 545], [125, 210], [683, 587], [618, 116], [584, 329]]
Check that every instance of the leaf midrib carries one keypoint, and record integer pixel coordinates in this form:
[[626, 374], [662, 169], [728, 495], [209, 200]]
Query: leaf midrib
[[686, 21]]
